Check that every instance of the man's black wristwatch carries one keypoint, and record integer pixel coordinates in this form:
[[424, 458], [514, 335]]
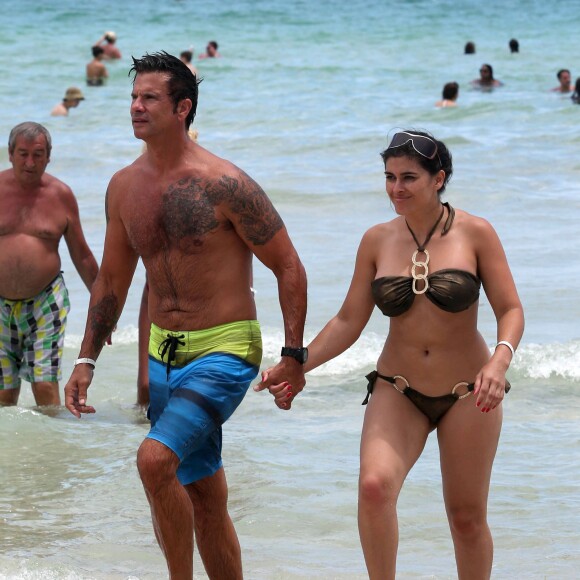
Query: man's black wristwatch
[[300, 354]]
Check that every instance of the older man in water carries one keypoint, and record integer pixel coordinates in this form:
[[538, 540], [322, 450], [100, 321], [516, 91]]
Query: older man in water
[[37, 211], [71, 100]]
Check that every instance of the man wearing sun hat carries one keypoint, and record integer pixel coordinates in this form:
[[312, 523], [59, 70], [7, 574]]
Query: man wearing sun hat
[[107, 43], [72, 98]]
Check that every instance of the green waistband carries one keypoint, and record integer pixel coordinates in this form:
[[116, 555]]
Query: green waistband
[[242, 339]]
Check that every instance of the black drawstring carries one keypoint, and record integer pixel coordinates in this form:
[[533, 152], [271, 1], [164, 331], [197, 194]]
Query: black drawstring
[[171, 343]]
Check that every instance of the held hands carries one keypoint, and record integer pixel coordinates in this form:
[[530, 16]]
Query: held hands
[[490, 384], [75, 391], [284, 381]]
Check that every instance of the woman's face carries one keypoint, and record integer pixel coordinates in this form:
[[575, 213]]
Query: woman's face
[[409, 185], [485, 74]]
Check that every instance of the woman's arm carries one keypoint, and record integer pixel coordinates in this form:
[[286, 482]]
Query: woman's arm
[[344, 329], [500, 289]]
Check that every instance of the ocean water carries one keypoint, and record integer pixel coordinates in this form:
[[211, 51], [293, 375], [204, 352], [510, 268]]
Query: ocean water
[[304, 99]]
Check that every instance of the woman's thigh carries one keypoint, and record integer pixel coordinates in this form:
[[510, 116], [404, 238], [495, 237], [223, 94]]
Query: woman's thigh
[[468, 442], [393, 437]]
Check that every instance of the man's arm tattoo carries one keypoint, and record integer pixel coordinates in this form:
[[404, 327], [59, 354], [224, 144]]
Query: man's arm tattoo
[[102, 319]]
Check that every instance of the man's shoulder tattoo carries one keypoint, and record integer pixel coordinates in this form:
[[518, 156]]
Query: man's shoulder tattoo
[[257, 216], [189, 207]]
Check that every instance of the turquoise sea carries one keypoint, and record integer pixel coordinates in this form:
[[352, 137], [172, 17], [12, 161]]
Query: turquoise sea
[[303, 99]]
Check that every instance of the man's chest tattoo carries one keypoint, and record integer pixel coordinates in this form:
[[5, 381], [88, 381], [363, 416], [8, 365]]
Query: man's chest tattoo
[[187, 210]]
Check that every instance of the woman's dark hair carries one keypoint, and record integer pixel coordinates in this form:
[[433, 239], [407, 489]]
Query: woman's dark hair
[[182, 82], [441, 161], [450, 91], [490, 68]]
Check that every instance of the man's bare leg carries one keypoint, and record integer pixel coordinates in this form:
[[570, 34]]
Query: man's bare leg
[[216, 536], [46, 393], [171, 507], [9, 397]]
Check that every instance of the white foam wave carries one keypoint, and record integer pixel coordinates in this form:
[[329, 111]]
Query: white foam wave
[[361, 355], [122, 336], [537, 361], [542, 361]]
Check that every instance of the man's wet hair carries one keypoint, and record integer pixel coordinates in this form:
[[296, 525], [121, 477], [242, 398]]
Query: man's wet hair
[[450, 90], [97, 50], [182, 83], [561, 72]]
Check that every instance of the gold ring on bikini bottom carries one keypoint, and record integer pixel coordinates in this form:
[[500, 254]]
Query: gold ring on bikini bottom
[[407, 385], [462, 384]]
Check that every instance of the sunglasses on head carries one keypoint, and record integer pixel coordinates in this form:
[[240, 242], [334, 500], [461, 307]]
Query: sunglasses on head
[[425, 146]]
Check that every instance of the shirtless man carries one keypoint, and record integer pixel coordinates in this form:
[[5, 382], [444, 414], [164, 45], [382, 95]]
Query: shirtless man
[[186, 57], [108, 43], [37, 211], [196, 221], [565, 78], [211, 50], [96, 70], [449, 95], [71, 100]]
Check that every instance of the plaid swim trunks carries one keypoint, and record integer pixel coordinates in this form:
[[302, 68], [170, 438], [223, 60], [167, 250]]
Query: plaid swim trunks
[[32, 336]]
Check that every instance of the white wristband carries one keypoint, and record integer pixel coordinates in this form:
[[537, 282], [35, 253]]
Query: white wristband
[[88, 361], [506, 343]]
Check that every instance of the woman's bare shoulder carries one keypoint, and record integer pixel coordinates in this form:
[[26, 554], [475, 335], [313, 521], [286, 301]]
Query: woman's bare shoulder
[[384, 228], [477, 229], [475, 223]]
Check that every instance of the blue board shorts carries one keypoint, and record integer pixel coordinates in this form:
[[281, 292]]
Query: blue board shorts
[[194, 390]]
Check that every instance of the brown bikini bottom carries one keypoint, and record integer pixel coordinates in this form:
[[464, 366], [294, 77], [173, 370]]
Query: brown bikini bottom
[[432, 407]]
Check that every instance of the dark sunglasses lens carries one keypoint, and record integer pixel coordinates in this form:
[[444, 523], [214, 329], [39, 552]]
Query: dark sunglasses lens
[[422, 145]]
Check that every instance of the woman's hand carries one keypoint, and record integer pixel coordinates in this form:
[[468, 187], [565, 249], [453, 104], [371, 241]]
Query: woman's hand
[[282, 392], [490, 385]]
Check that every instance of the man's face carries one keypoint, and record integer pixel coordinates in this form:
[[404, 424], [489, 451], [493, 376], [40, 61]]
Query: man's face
[[151, 105], [29, 159], [210, 50], [565, 79]]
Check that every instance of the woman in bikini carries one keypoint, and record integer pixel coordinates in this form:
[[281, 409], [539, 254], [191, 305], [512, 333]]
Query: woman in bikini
[[424, 270]]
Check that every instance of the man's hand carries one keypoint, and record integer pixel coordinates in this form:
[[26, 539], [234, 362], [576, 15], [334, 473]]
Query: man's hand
[[75, 392], [284, 381]]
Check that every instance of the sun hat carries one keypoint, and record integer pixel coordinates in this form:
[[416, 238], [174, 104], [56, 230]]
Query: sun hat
[[74, 94], [110, 35]]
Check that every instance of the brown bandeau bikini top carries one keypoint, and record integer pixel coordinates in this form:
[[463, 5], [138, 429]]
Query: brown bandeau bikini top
[[451, 290]]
